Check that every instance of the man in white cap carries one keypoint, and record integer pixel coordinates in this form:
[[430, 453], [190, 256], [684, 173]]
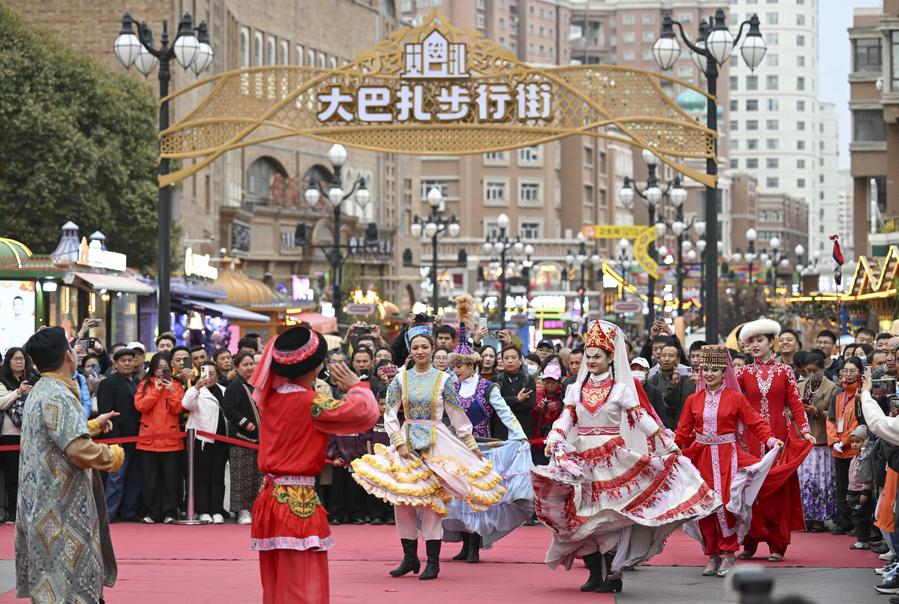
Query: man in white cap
[[770, 387], [140, 357]]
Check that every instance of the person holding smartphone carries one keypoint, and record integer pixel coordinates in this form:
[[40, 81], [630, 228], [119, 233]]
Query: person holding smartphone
[[159, 399]]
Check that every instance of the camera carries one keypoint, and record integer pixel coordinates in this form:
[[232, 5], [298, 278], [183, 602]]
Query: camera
[[362, 330], [423, 317]]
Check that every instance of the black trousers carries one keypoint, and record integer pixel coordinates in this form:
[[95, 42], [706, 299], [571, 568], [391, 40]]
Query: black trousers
[[842, 519], [160, 480], [861, 514], [347, 498], [209, 477], [377, 508], [9, 475]]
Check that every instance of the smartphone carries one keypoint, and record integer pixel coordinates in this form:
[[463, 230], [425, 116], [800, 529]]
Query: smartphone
[[482, 323], [685, 371], [883, 387], [167, 374], [96, 322], [894, 402], [87, 344], [95, 370], [204, 371]]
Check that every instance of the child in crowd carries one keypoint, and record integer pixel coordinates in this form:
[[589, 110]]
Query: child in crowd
[[859, 496]]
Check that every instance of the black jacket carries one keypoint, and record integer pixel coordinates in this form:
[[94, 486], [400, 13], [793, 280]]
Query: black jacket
[[655, 399], [509, 387], [241, 410], [116, 393], [674, 395]]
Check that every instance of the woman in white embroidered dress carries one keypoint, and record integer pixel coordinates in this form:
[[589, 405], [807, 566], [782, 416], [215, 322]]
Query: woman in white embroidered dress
[[615, 487]]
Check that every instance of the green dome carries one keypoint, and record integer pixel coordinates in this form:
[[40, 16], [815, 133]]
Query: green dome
[[13, 252], [691, 101]]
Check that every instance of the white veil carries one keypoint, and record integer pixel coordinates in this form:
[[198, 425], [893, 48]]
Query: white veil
[[633, 438]]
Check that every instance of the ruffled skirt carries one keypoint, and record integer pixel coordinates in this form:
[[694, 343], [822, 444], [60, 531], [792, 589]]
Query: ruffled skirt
[[606, 496], [432, 477], [512, 461]]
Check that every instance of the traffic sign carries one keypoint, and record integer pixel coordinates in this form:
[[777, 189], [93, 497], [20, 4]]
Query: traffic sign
[[627, 306], [360, 310]]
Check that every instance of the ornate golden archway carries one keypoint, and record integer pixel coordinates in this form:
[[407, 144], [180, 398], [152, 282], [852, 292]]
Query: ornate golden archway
[[436, 90]]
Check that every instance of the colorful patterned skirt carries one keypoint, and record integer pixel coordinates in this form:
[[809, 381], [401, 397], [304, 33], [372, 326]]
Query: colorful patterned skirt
[[245, 478], [431, 477], [818, 484], [512, 461]]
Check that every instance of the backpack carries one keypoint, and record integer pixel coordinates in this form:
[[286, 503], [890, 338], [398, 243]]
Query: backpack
[[865, 462]]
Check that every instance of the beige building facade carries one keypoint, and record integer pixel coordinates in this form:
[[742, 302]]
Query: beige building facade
[[874, 102], [250, 203]]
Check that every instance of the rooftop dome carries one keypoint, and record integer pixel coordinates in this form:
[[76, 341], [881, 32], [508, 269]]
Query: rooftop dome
[[13, 253], [242, 290]]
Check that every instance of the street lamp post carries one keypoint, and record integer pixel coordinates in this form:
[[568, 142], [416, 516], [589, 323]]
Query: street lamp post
[[799, 250], [580, 262], [192, 50], [500, 243], [335, 251], [709, 54], [751, 237], [653, 195], [433, 226]]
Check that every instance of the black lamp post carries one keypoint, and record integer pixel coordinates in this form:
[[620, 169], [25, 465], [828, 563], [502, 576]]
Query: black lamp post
[[581, 261], [653, 195], [191, 49], [433, 226], [337, 253], [709, 53], [499, 243]]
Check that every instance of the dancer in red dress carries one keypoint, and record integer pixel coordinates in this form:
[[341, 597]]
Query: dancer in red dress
[[707, 434], [290, 527], [771, 389]]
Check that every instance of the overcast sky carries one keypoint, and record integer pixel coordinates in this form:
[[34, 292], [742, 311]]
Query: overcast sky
[[835, 19]]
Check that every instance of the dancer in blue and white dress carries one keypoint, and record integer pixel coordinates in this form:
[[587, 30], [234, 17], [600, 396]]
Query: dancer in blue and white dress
[[481, 399]]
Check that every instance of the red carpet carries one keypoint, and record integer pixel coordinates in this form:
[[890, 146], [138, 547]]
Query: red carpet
[[213, 564]]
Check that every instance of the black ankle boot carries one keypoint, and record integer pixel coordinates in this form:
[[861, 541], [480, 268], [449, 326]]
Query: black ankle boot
[[466, 544], [474, 549], [594, 565], [610, 584], [432, 568], [410, 562]]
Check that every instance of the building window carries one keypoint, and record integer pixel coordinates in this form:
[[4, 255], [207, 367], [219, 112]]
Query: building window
[[752, 105], [285, 52], [301, 54], [649, 36], [800, 61], [588, 196], [771, 39], [496, 193], [440, 185], [771, 18], [497, 158], [895, 61], [800, 125], [771, 144], [773, 104], [734, 125], [734, 144], [772, 125], [629, 37], [628, 55], [800, 20], [867, 55], [627, 19], [733, 83], [311, 56], [800, 40], [771, 60], [771, 82], [752, 124], [244, 46], [800, 105], [772, 163], [752, 163], [734, 105], [647, 54], [800, 164], [800, 183], [868, 125], [258, 51], [530, 194], [771, 182], [800, 83], [647, 19], [271, 57], [530, 156], [752, 144], [529, 230], [800, 145], [752, 82], [734, 164]]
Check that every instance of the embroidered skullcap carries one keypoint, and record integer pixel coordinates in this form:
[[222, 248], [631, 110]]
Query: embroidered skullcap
[[419, 330], [759, 327], [713, 357], [297, 351], [601, 334]]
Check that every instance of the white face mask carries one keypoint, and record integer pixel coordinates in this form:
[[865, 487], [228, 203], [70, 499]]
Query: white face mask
[[532, 369], [639, 375]]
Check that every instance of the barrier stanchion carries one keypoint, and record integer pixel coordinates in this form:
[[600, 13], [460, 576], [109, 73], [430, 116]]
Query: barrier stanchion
[[191, 512]]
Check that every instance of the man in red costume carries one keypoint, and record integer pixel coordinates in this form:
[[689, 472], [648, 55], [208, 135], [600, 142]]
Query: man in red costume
[[771, 389], [290, 527]]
